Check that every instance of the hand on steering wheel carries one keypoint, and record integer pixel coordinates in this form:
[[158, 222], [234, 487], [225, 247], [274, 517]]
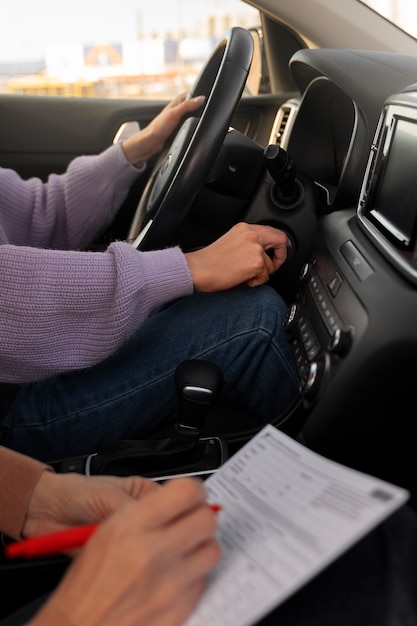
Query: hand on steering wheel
[[183, 168]]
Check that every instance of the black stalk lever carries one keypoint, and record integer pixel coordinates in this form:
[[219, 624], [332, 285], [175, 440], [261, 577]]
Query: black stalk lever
[[282, 169]]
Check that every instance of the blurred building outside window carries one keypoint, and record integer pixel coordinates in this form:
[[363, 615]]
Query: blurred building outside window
[[127, 49]]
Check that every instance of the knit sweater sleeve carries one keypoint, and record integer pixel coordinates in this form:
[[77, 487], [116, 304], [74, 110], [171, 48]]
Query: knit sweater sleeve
[[69, 210], [19, 475], [62, 310]]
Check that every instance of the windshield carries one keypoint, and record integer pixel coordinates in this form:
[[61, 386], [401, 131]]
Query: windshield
[[402, 13]]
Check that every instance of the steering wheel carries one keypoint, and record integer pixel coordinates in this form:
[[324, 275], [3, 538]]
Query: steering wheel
[[182, 169]]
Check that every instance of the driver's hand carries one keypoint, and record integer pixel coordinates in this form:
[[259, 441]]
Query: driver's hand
[[247, 253], [151, 139]]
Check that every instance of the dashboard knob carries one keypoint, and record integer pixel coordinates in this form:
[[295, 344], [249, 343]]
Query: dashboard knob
[[290, 322], [312, 378], [340, 341]]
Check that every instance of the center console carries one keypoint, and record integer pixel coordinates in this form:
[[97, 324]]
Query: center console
[[353, 323]]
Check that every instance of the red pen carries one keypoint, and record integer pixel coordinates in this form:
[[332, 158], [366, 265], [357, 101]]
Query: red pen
[[51, 543], [60, 541]]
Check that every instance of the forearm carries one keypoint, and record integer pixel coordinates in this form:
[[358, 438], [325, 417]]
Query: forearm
[[70, 209], [66, 298], [19, 476], [95, 189]]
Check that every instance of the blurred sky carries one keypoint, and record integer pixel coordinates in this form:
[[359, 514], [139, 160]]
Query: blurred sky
[[28, 26]]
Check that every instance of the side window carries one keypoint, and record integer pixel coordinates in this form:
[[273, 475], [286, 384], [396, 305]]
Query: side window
[[127, 49]]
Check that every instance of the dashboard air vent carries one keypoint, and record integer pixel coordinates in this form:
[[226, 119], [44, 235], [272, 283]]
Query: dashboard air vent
[[283, 123]]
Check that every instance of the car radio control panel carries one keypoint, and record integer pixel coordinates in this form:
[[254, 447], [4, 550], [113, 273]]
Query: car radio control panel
[[321, 323], [361, 276]]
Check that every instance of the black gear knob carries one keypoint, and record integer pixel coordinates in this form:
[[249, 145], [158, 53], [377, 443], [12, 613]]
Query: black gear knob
[[198, 384]]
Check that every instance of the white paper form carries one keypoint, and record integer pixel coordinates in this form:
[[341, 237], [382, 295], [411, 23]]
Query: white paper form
[[287, 512]]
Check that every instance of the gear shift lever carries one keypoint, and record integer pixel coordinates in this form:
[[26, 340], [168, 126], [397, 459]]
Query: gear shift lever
[[198, 384]]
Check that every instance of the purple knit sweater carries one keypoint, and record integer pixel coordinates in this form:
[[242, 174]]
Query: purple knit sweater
[[61, 308]]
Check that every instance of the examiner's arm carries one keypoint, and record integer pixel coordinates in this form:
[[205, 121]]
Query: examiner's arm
[[146, 565], [19, 476]]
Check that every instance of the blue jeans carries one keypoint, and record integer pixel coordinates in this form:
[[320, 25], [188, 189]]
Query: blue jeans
[[127, 395]]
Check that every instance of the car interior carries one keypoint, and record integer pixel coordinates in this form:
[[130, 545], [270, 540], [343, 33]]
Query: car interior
[[328, 157]]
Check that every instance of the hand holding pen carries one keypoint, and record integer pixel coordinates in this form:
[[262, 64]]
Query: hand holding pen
[[58, 542], [148, 560]]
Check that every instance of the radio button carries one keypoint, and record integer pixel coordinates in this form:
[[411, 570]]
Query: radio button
[[357, 262], [335, 284]]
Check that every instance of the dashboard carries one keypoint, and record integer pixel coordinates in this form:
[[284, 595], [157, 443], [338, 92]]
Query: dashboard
[[352, 320]]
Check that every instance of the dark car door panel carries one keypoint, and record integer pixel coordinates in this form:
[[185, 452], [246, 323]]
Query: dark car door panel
[[40, 134]]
